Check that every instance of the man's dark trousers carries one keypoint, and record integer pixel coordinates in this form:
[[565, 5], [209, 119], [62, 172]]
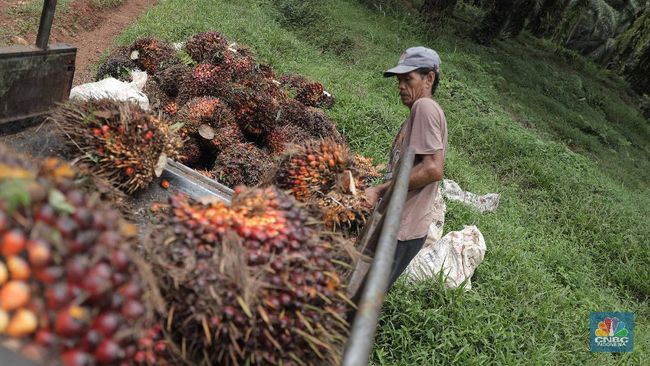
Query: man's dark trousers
[[404, 253]]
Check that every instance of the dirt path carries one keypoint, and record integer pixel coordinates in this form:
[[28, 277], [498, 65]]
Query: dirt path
[[90, 29], [92, 43]]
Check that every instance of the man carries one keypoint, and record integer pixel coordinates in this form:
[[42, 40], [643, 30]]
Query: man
[[424, 131]]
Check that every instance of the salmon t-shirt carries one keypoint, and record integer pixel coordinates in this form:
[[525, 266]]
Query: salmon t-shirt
[[425, 131]]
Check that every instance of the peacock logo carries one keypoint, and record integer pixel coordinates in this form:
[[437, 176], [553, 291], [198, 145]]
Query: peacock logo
[[612, 332], [611, 327]]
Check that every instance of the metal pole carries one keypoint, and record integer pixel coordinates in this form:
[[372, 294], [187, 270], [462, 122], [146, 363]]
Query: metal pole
[[362, 335], [45, 26]]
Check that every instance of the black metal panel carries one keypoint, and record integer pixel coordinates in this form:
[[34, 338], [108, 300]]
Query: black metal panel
[[32, 80]]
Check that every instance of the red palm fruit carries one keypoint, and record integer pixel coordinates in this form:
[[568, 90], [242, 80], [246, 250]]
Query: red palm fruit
[[45, 338], [13, 295], [12, 242], [107, 323], [18, 268], [108, 352], [76, 357], [132, 309], [120, 260], [39, 252], [4, 273], [48, 275], [57, 295], [22, 323], [71, 321]]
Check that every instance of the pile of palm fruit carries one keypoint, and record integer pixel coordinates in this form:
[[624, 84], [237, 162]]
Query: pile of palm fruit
[[251, 283], [241, 126], [71, 289], [231, 109]]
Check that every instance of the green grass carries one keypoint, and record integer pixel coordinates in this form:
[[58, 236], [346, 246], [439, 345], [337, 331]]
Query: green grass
[[561, 141]]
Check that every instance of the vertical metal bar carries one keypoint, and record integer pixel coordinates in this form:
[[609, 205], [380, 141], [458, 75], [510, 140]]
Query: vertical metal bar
[[362, 335], [45, 26]]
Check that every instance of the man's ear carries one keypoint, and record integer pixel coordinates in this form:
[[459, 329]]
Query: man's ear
[[431, 77]]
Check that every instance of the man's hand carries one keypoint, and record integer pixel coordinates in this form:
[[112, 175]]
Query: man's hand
[[373, 194]]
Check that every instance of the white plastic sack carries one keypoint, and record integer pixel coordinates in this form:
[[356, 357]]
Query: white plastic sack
[[486, 203], [112, 88], [457, 255]]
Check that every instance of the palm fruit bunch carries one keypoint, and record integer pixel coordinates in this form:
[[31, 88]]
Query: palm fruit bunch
[[151, 54], [208, 126], [118, 140], [309, 93], [207, 47], [169, 78], [256, 112], [312, 167], [157, 98], [239, 66], [312, 120], [241, 164], [280, 138], [71, 290], [117, 65], [203, 80], [322, 173], [250, 283]]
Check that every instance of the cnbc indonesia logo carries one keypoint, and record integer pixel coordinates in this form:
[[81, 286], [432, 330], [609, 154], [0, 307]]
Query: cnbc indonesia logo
[[612, 332]]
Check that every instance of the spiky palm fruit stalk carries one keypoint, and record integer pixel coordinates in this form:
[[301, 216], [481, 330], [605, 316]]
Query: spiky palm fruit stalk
[[118, 140], [282, 137], [169, 78], [71, 290], [206, 47], [204, 80], [117, 65], [250, 283], [309, 93], [343, 212], [312, 167], [242, 164], [152, 54]]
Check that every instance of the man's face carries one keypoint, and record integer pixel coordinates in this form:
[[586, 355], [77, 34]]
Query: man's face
[[413, 86]]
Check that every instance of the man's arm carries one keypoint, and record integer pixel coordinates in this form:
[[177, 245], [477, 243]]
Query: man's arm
[[430, 169]]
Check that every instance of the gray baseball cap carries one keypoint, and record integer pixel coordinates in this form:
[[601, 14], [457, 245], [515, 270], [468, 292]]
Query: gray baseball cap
[[413, 59]]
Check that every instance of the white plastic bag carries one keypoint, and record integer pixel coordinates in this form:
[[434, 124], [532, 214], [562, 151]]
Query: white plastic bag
[[485, 203], [112, 88], [457, 255]]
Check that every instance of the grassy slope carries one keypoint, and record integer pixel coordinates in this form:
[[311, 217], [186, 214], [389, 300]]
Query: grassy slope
[[568, 153]]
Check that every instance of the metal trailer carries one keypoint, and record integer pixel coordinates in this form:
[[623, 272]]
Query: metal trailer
[[34, 79]]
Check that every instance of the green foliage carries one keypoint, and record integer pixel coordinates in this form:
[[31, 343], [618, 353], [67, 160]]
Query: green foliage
[[562, 142]]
